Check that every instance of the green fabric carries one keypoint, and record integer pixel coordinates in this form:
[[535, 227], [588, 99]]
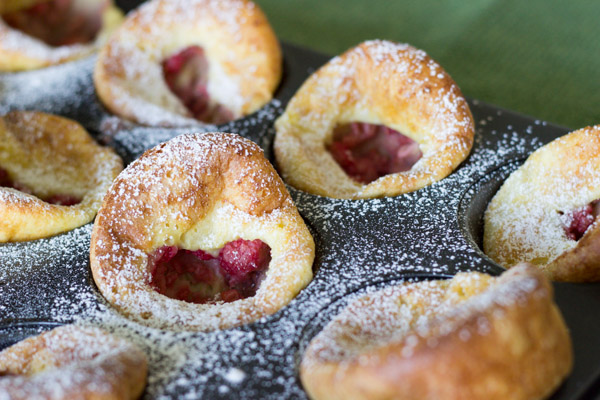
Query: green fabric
[[537, 57]]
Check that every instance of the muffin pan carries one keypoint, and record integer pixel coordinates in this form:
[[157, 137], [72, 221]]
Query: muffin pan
[[361, 245]]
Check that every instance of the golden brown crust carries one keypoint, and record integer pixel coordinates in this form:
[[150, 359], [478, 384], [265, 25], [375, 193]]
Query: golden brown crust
[[52, 156], [506, 342], [73, 362], [240, 45], [526, 218], [376, 82], [198, 192], [581, 264], [20, 52]]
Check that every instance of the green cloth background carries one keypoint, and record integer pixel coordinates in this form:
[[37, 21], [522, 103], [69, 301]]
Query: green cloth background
[[536, 57]]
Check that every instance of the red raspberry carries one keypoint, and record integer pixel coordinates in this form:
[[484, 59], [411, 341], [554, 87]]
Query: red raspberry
[[241, 257], [186, 75], [62, 200], [581, 220], [367, 152]]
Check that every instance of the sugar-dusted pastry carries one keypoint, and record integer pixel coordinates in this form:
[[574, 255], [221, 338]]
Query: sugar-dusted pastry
[[39, 33], [72, 362], [52, 175], [470, 337], [200, 234], [177, 62], [546, 211], [380, 120]]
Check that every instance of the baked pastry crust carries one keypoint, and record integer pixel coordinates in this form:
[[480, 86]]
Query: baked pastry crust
[[198, 192], [52, 156], [241, 47], [471, 337], [525, 219], [21, 52], [377, 82], [73, 362]]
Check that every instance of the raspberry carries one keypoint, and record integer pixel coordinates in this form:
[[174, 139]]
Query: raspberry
[[241, 257], [63, 200], [186, 75], [581, 219], [165, 254], [198, 277], [203, 255], [367, 152], [59, 22]]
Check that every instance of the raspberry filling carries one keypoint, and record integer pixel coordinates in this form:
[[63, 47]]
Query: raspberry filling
[[57, 199], [367, 152], [196, 276], [186, 74], [59, 22], [579, 220]]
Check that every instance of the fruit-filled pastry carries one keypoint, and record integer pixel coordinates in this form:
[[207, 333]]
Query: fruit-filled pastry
[[546, 212], [178, 62], [39, 33], [53, 175], [200, 233], [470, 337], [382, 119]]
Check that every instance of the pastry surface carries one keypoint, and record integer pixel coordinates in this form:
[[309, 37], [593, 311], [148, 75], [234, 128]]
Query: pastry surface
[[48, 157], [73, 362], [19, 51], [471, 337], [234, 36], [534, 215], [198, 192], [379, 83]]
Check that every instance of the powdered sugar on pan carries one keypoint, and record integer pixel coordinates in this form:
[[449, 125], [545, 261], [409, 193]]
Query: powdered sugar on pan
[[63, 89], [359, 243], [235, 375], [131, 140], [68, 90]]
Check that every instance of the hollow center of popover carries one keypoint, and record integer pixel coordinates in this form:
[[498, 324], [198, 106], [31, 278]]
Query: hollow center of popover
[[199, 277], [579, 220], [367, 152], [186, 74], [59, 22], [57, 199]]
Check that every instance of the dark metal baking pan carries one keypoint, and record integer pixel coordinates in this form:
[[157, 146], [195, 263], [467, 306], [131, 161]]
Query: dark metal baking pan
[[434, 232]]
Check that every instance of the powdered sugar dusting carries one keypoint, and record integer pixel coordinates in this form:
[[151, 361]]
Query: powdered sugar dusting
[[68, 361], [21, 51], [377, 82], [235, 375], [359, 243], [563, 176], [227, 12], [198, 192], [406, 312], [14, 40], [242, 67]]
